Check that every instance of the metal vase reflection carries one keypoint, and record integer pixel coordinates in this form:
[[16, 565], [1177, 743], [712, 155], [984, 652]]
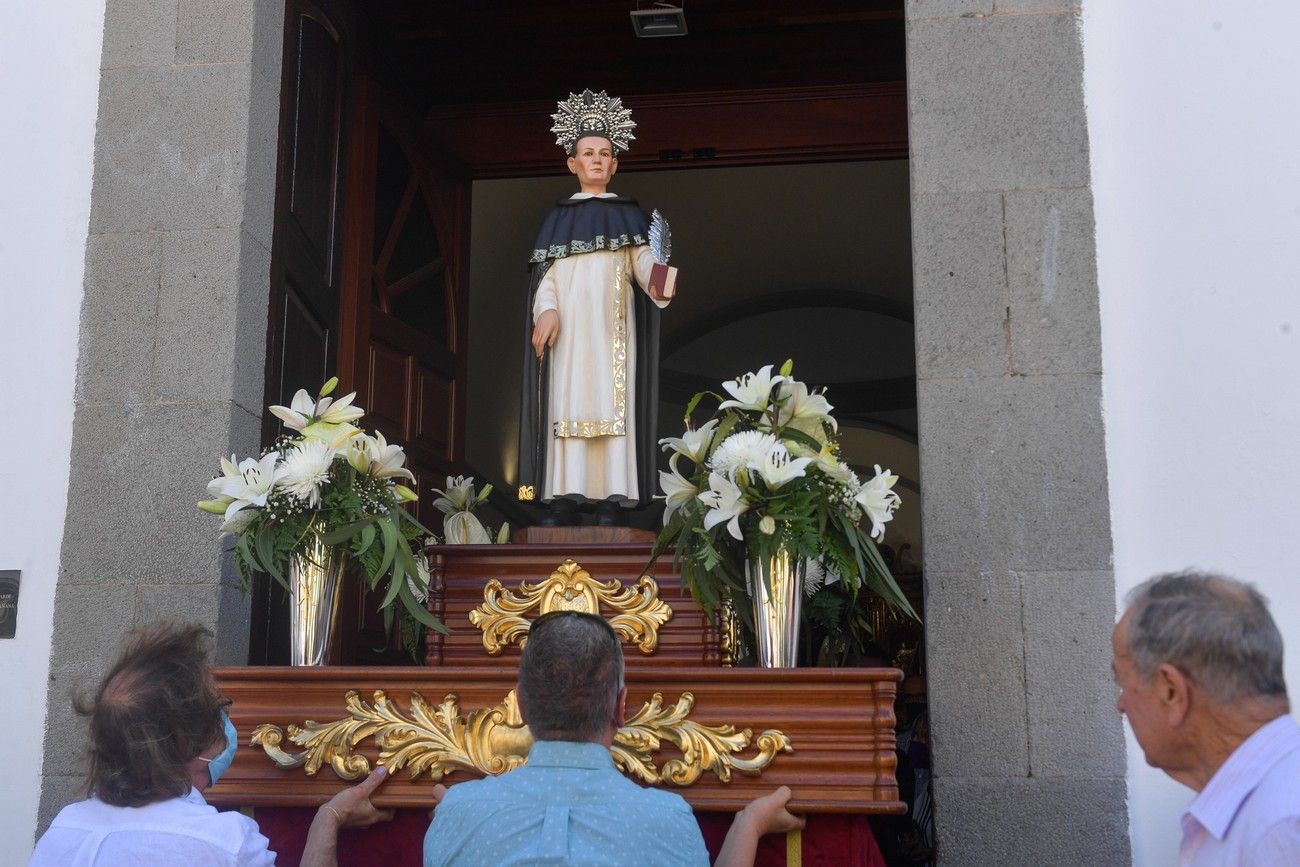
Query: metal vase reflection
[[776, 588], [315, 573]]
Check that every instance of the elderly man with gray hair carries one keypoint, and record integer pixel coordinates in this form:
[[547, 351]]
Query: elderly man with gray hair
[[1198, 660]]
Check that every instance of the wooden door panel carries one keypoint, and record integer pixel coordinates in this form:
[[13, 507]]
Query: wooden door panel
[[402, 333], [314, 167], [302, 321], [388, 400], [434, 399]]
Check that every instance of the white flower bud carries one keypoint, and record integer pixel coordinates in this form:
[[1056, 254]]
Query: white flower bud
[[767, 524]]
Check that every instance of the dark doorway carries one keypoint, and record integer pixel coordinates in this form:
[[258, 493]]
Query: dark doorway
[[414, 101]]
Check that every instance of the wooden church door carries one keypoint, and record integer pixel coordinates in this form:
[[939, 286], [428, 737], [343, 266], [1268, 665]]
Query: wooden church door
[[369, 268], [402, 308], [303, 313]]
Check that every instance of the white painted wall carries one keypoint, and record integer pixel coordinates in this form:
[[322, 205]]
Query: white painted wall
[[1196, 177], [48, 100]]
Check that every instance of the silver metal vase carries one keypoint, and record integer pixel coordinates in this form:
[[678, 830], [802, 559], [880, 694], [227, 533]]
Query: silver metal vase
[[315, 573], [776, 588]]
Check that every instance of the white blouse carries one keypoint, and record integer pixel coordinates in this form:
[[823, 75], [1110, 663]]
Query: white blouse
[[184, 830]]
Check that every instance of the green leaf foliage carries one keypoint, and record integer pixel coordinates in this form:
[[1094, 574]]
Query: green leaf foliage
[[813, 516]]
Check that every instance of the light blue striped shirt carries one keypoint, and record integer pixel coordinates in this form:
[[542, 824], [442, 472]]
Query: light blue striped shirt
[[566, 806], [1249, 812]]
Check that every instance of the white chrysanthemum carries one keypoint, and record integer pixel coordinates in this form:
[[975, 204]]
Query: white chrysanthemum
[[304, 470], [748, 448]]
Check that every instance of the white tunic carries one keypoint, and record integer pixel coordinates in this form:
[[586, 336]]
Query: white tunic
[[591, 408]]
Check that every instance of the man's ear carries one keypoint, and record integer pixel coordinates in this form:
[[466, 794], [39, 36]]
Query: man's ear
[[620, 709], [572, 163], [613, 166], [1173, 689]]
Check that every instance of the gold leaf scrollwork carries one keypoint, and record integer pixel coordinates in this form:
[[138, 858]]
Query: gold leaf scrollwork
[[639, 612], [703, 748], [492, 740], [728, 633], [433, 740]]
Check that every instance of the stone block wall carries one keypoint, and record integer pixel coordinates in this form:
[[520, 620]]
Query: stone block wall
[[1020, 596], [173, 332]]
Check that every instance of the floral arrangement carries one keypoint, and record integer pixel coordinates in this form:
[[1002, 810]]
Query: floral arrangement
[[766, 476], [460, 525], [332, 480]]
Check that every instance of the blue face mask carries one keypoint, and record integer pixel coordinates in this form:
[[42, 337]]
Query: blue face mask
[[218, 765]]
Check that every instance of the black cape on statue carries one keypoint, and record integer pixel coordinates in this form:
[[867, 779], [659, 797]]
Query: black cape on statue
[[574, 227]]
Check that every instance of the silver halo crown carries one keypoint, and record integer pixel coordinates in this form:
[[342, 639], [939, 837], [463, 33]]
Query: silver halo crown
[[590, 113]]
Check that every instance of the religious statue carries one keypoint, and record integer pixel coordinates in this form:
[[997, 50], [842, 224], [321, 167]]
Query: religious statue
[[590, 385]]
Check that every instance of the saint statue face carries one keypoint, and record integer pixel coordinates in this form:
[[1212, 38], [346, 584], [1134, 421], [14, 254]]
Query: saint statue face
[[593, 161]]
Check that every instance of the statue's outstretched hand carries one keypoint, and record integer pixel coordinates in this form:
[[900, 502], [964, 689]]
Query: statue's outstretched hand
[[545, 330]]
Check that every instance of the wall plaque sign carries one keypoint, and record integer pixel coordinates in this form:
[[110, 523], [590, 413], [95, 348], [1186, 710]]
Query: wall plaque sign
[[9, 602]]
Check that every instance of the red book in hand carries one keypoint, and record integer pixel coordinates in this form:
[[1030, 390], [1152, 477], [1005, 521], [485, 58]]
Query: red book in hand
[[663, 282]]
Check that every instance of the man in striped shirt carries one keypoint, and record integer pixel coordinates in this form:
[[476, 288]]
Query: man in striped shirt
[[1198, 660]]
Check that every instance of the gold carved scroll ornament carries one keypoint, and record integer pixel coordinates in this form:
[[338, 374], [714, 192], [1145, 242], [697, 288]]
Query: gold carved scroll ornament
[[638, 610], [492, 740]]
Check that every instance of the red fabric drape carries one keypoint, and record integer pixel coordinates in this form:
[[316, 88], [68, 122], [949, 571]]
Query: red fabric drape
[[828, 841]]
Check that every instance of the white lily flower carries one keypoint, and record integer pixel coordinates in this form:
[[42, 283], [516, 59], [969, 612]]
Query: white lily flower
[[777, 467], [693, 444], [835, 469], [464, 528], [679, 492], [725, 503], [325, 419], [878, 501], [797, 403], [248, 484], [746, 449], [239, 522], [386, 460], [229, 470], [458, 497], [361, 450], [338, 411], [304, 470], [751, 391], [299, 412], [419, 583]]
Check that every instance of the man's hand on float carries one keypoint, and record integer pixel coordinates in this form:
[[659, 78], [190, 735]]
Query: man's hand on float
[[439, 792], [546, 329], [351, 808], [766, 815]]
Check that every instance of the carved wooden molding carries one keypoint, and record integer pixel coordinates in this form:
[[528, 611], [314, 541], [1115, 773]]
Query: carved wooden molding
[[840, 722], [436, 741]]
